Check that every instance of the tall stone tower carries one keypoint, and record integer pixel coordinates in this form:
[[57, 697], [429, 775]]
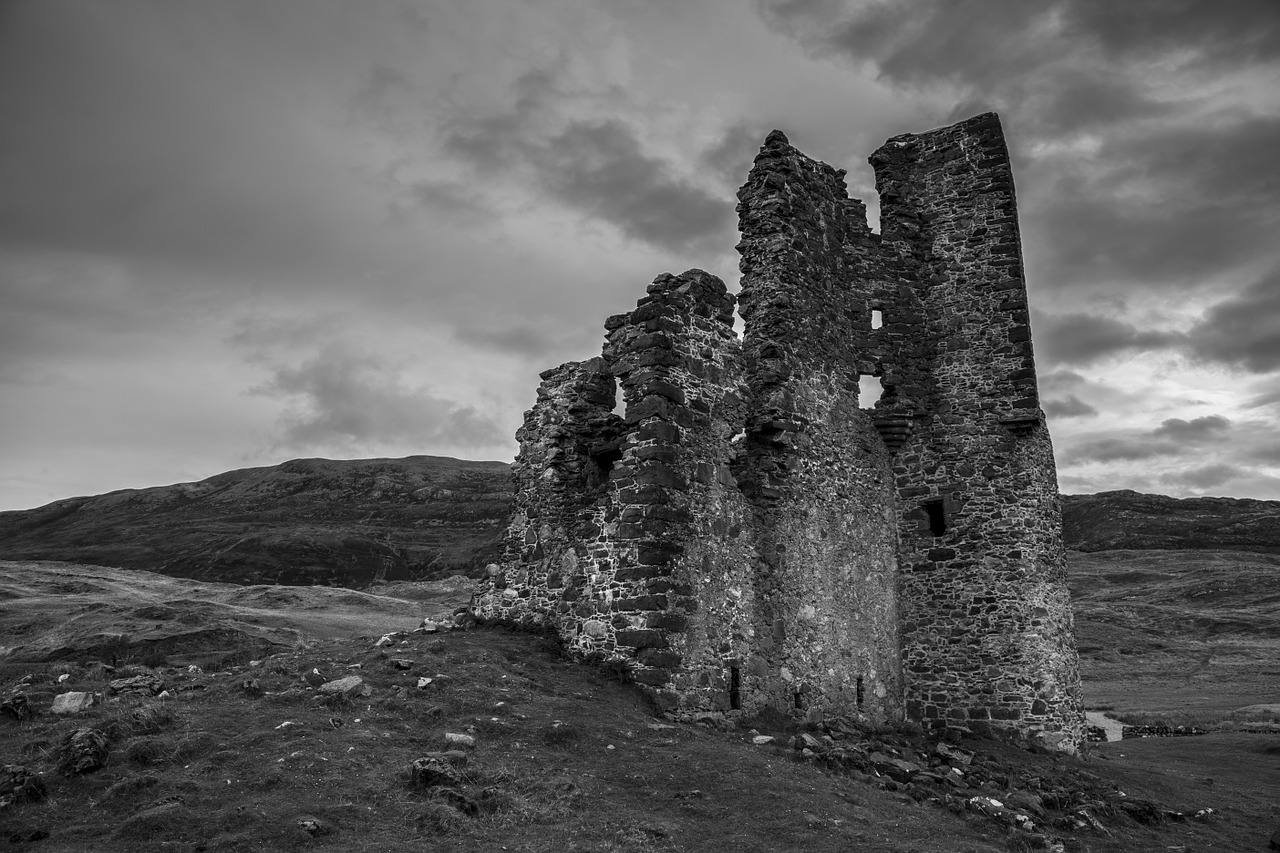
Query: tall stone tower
[[747, 533]]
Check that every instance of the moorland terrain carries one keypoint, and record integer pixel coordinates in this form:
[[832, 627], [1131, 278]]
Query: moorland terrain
[[235, 745]]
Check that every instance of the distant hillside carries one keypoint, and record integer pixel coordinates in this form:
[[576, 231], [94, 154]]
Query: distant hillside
[[1126, 520], [308, 521], [350, 523]]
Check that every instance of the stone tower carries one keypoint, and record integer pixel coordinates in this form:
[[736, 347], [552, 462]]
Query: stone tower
[[747, 534]]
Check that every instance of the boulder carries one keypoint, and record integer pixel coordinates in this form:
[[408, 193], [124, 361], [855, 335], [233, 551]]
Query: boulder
[[73, 702], [351, 685]]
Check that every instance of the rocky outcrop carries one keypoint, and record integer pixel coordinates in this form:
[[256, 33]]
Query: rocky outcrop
[[1127, 520], [308, 521]]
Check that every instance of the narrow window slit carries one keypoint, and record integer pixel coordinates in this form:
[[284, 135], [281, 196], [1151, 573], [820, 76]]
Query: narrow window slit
[[937, 516], [735, 689], [861, 694]]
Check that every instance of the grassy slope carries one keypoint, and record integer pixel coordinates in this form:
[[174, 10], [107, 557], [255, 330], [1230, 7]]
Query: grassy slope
[[219, 773], [1195, 633], [307, 521]]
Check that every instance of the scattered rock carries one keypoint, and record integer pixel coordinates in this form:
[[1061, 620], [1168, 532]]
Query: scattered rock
[[351, 685], [953, 755], [428, 772], [16, 706], [18, 784], [82, 751], [73, 703], [251, 687], [139, 685], [314, 678], [808, 741], [402, 663], [895, 768], [312, 826], [455, 739], [761, 740], [64, 678], [424, 682]]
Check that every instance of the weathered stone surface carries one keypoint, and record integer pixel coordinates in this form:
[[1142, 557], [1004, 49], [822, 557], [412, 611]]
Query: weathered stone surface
[[351, 685], [747, 533], [138, 685], [72, 703]]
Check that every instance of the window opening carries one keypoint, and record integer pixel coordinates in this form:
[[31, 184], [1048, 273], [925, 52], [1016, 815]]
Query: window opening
[[877, 318], [870, 390], [937, 516], [799, 701], [735, 689], [861, 695]]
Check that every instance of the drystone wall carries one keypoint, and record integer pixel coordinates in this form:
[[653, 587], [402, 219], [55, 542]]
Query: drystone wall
[[747, 534]]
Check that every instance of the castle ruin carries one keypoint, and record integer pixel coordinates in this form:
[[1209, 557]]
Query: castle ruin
[[746, 533]]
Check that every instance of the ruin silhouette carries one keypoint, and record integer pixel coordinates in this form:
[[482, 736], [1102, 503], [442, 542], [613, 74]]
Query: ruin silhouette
[[747, 533]]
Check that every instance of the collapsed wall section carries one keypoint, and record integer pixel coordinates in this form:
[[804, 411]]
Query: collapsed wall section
[[630, 538], [987, 626]]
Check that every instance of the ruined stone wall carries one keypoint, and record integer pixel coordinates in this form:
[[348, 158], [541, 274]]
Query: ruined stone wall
[[816, 470], [747, 534], [986, 618]]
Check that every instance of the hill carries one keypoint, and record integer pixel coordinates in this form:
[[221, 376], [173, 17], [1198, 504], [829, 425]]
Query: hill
[[1127, 520], [307, 521]]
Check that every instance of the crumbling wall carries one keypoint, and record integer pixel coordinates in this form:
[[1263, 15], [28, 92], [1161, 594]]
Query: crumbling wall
[[987, 622], [816, 470]]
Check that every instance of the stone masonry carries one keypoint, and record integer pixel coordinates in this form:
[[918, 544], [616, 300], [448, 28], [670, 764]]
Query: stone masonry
[[744, 533]]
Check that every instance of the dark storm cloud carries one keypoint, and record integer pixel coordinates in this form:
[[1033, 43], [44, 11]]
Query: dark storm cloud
[[1180, 182], [978, 42], [1265, 393], [1085, 338], [528, 340], [345, 399], [1070, 407], [598, 168], [1173, 438], [1244, 330], [124, 137], [1121, 448], [1170, 204], [1196, 429], [1204, 476], [731, 157]]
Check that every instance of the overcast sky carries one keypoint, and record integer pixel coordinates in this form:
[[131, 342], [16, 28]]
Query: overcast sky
[[238, 232]]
